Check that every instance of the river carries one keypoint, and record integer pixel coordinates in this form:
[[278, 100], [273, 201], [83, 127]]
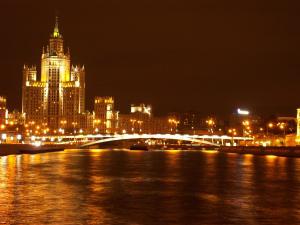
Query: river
[[155, 188]]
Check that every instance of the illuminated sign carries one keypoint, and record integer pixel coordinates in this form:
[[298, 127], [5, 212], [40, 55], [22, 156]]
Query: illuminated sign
[[242, 112]]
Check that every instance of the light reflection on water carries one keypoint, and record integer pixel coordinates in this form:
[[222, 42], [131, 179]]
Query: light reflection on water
[[163, 187]]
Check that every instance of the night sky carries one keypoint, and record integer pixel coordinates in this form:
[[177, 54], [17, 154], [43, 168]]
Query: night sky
[[206, 55]]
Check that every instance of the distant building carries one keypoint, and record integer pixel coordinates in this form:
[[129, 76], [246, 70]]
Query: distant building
[[137, 121], [58, 99], [287, 125], [244, 123], [84, 123], [105, 118], [134, 123], [162, 125], [141, 120], [16, 118], [141, 108], [191, 122], [3, 111]]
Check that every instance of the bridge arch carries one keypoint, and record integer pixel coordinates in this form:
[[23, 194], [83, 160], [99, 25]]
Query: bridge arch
[[148, 136]]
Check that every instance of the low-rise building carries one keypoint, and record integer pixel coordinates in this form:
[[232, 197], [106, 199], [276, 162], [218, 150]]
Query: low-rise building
[[105, 116], [84, 123], [141, 120]]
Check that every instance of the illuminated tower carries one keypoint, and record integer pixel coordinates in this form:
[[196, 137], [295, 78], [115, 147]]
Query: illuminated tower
[[55, 71], [60, 95]]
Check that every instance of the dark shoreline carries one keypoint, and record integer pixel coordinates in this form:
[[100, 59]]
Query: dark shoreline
[[260, 150], [16, 149]]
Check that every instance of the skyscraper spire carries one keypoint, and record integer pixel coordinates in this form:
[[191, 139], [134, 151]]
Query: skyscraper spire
[[56, 43], [56, 30]]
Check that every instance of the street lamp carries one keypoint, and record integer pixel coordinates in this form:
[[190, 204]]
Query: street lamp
[[173, 122], [246, 128], [210, 123], [63, 123], [133, 122], [140, 123], [282, 126], [74, 126], [269, 126]]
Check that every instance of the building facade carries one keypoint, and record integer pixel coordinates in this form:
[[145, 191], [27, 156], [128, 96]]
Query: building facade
[[58, 98], [3, 111], [15, 118], [141, 108], [141, 120], [105, 116]]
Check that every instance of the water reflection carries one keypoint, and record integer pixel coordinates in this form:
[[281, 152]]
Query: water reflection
[[162, 187]]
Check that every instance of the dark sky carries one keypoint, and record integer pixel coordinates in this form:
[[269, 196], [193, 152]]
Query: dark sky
[[207, 55]]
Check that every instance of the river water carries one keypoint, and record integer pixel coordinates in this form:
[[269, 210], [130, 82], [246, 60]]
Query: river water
[[157, 187]]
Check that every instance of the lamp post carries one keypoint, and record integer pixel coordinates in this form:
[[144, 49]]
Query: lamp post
[[132, 125], [232, 132], [246, 127], [96, 125], [282, 126], [140, 125], [74, 127], [176, 124], [173, 123], [269, 126], [63, 126], [210, 123]]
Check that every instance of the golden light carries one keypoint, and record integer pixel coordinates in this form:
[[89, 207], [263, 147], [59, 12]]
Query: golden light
[[246, 123], [97, 121], [281, 125], [210, 122], [63, 122]]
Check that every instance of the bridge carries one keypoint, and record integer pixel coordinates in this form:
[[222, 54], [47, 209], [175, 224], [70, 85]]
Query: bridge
[[94, 139], [149, 136]]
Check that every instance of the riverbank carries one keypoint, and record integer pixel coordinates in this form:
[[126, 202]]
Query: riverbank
[[15, 149], [259, 150]]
